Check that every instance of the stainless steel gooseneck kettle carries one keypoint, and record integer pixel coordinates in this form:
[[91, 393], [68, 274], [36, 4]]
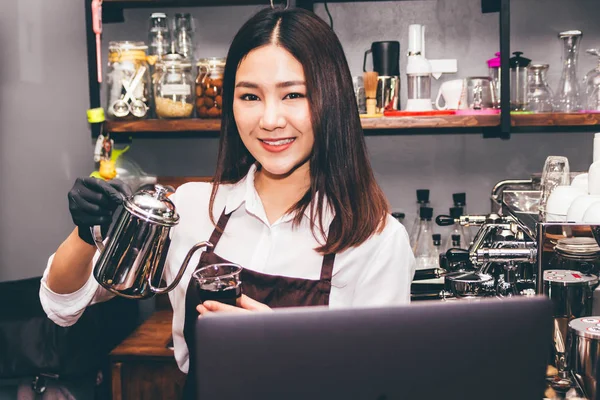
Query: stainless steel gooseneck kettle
[[131, 262]]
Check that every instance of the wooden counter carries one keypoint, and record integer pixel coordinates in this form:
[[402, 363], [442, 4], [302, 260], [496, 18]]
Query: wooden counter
[[143, 367]]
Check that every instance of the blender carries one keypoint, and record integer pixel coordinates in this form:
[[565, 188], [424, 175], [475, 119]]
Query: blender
[[419, 70]]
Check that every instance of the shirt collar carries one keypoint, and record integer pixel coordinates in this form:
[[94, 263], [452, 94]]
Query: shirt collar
[[244, 193], [241, 191]]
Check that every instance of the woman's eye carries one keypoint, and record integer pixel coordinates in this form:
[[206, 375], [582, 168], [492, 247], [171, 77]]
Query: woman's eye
[[294, 96], [249, 97]]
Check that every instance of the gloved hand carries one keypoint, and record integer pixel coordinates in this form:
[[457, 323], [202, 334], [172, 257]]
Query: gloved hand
[[92, 202]]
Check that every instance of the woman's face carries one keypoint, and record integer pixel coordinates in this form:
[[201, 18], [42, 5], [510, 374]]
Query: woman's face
[[271, 110]]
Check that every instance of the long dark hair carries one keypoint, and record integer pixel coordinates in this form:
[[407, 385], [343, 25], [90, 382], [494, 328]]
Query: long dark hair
[[340, 171]]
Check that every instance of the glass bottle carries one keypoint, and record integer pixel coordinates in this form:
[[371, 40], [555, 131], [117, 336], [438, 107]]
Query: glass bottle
[[183, 35], [460, 200], [459, 237], [173, 89], [518, 81], [422, 201], [159, 35], [426, 254], [592, 84], [567, 97], [209, 87], [437, 243], [540, 95], [456, 242], [399, 216]]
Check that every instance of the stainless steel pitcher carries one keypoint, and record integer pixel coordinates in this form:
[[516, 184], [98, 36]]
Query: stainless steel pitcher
[[131, 263]]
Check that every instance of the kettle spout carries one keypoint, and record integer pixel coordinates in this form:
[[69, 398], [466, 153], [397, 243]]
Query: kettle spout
[[182, 269]]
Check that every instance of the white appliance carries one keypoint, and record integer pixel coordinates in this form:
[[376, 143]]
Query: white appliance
[[419, 70]]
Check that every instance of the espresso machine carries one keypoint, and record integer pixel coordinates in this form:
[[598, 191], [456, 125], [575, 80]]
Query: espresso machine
[[515, 253]]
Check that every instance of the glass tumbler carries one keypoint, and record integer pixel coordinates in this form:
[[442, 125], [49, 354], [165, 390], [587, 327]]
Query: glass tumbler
[[219, 282], [556, 173], [592, 84]]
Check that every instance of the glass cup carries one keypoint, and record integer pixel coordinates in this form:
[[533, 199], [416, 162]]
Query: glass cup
[[556, 173], [219, 282], [479, 93], [593, 100]]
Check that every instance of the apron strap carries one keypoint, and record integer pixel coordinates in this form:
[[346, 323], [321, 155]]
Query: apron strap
[[218, 231], [327, 267], [328, 260]]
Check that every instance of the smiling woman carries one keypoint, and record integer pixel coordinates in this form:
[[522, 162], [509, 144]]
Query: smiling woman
[[272, 112], [293, 201], [289, 107]]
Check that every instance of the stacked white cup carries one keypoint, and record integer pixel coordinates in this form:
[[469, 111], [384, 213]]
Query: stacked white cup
[[586, 208]]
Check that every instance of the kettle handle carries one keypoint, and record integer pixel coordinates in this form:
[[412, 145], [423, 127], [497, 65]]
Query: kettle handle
[[182, 269], [97, 236], [365, 60]]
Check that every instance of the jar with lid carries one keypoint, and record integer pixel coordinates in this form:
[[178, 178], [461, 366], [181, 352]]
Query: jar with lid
[[128, 80], [209, 87], [159, 35], [173, 88], [519, 67], [494, 69], [577, 254]]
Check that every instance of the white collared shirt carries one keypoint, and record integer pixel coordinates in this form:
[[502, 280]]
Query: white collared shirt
[[377, 273]]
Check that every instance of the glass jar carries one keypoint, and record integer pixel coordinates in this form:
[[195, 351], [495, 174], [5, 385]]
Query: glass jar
[[518, 81], [173, 88], [183, 35], [495, 70], [209, 87], [128, 80], [159, 35], [540, 95]]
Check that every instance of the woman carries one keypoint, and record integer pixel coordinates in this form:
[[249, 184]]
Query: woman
[[294, 200]]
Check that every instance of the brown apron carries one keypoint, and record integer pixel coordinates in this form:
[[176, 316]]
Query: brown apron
[[272, 290]]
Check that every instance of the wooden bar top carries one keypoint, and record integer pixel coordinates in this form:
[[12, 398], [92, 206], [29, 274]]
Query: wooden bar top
[[149, 340]]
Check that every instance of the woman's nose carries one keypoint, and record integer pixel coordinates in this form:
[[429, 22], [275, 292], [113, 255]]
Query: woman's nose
[[272, 117]]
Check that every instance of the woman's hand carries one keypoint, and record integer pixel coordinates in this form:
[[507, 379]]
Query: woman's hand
[[244, 304]]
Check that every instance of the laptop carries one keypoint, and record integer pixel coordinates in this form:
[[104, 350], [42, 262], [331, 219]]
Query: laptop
[[483, 350]]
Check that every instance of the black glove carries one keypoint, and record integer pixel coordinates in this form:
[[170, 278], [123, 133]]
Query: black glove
[[92, 202]]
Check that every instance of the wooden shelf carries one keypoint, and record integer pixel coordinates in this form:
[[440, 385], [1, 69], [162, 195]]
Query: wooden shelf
[[164, 125], [385, 125], [445, 122], [556, 119], [179, 3], [199, 3]]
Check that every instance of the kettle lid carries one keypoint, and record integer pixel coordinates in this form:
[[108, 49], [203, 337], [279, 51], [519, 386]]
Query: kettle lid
[[153, 206]]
